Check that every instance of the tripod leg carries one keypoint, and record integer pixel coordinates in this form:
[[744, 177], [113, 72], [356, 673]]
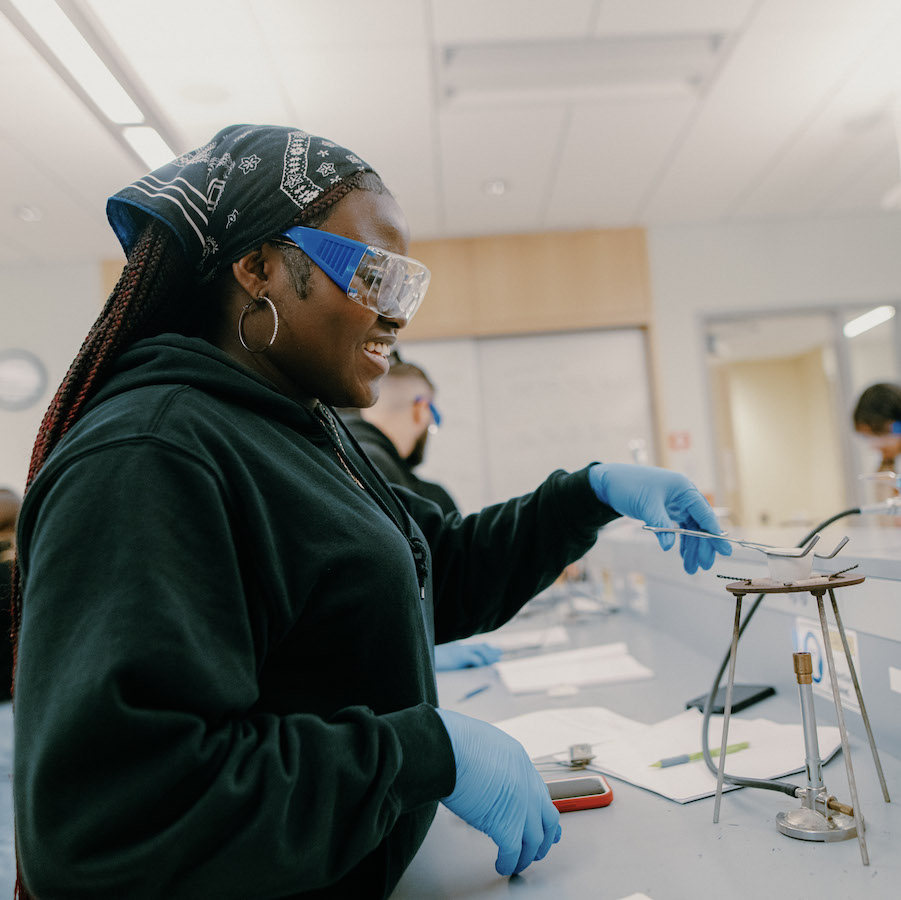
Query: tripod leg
[[727, 710], [846, 749], [863, 709]]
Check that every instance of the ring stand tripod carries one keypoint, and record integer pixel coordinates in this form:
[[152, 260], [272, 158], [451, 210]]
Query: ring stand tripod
[[814, 821]]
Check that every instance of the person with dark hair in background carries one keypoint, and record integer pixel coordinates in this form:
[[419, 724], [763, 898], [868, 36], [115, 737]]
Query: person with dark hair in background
[[224, 616], [877, 418], [9, 512], [394, 432]]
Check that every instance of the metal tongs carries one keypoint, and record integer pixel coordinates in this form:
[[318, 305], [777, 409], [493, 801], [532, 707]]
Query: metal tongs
[[786, 564]]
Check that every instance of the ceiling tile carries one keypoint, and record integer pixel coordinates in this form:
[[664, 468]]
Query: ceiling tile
[[854, 125], [865, 187], [387, 121], [204, 74], [612, 154], [761, 100], [477, 146], [342, 25], [65, 229], [477, 21], [626, 17], [55, 157]]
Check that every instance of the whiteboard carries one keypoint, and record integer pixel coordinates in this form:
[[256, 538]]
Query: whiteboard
[[516, 408]]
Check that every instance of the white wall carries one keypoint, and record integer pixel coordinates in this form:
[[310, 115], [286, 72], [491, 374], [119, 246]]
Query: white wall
[[49, 312], [514, 409], [777, 266]]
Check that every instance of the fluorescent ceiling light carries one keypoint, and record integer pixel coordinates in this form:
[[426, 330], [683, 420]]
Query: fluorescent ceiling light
[[148, 144], [480, 97], [584, 67], [77, 55], [868, 320]]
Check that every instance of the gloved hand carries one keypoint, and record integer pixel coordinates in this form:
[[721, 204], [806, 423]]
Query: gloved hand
[[457, 655], [499, 792], [665, 499]]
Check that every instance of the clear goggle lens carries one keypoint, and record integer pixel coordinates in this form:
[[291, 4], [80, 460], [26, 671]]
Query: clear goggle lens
[[390, 284], [387, 283]]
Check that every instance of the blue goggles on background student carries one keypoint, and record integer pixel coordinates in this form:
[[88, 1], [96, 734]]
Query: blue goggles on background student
[[883, 440], [387, 283], [433, 410]]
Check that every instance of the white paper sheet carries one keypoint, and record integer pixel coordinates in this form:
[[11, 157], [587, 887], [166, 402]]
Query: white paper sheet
[[774, 751], [625, 749], [599, 664], [552, 731]]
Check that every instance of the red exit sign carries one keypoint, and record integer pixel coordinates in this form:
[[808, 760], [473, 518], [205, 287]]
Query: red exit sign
[[679, 440]]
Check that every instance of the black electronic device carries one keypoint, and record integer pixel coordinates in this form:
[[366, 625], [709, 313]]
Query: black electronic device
[[743, 696]]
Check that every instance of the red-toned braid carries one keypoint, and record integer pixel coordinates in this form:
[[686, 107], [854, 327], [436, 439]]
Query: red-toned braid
[[147, 299], [144, 288]]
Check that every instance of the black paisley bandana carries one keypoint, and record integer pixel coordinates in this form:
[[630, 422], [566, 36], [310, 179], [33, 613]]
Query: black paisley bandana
[[248, 183]]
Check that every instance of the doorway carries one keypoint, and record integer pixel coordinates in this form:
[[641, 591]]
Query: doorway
[[782, 388]]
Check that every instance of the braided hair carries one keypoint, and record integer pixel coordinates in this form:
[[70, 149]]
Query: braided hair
[[147, 291], [148, 287]]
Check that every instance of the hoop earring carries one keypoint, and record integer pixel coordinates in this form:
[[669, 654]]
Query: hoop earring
[[244, 311]]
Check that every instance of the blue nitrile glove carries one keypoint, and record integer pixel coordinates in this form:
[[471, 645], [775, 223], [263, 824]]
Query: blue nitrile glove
[[499, 792], [457, 655], [665, 499]]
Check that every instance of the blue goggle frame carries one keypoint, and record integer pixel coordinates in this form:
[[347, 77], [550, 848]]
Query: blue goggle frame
[[387, 283]]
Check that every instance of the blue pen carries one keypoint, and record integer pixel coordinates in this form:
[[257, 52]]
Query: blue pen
[[475, 691]]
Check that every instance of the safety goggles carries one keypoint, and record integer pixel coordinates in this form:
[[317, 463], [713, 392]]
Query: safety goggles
[[882, 442], [888, 437], [436, 416], [387, 283]]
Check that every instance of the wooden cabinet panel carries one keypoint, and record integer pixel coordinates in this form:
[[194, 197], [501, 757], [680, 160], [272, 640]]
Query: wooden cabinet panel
[[515, 284], [449, 306]]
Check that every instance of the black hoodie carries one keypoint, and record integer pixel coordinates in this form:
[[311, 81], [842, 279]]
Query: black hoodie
[[225, 683]]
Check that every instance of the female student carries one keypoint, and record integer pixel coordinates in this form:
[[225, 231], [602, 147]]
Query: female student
[[225, 617]]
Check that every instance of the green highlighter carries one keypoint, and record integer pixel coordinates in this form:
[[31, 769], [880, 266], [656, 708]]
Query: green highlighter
[[692, 757]]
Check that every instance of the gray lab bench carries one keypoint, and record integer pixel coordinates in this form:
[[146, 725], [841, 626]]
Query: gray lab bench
[[680, 626]]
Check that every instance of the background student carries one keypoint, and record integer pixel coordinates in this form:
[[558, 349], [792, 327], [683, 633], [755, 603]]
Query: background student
[[394, 433], [395, 430], [877, 418]]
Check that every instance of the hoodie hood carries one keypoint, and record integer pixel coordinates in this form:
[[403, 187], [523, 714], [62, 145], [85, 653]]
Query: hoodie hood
[[173, 360]]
